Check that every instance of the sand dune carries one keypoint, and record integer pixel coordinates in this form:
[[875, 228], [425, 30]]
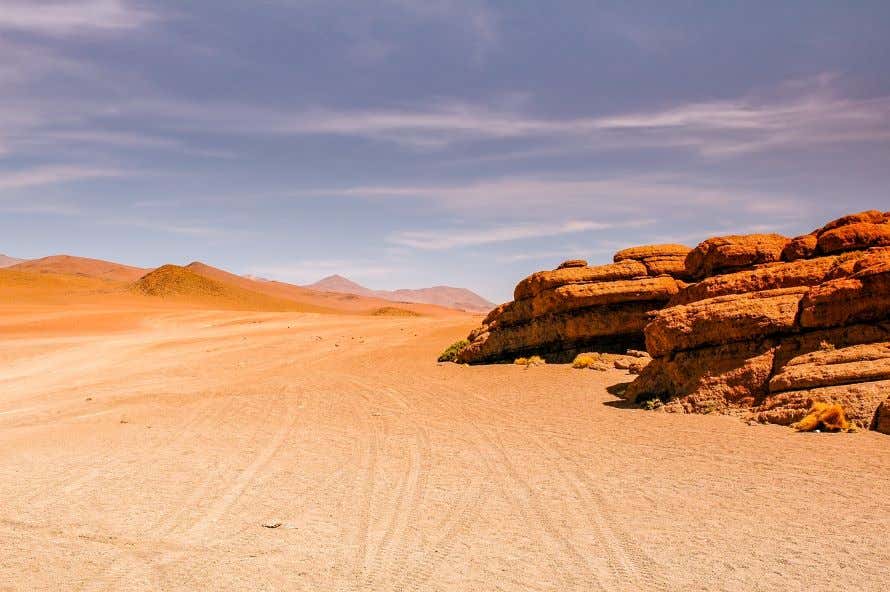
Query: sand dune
[[146, 448]]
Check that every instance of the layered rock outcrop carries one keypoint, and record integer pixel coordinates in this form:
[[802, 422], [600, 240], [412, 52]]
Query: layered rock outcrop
[[576, 308], [774, 324]]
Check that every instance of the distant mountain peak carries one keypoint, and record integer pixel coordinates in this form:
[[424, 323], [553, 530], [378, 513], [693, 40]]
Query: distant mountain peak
[[7, 261], [447, 296]]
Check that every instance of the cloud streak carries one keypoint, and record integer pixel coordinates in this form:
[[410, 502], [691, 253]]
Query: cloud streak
[[814, 115], [68, 17], [434, 240], [51, 175]]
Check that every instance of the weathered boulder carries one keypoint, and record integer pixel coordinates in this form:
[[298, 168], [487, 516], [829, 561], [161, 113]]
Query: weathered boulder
[[864, 296], [576, 296], [767, 277], [860, 401], [668, 259], [724, 319], [727, 253], [774, 379], [769, 340], [832, 367], [800, 247], [854, 236], [848, 233], [547, 280], [572, 263], [573, 308], [560, 337]]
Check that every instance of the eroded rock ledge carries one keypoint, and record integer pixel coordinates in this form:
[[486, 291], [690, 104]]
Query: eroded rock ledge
[[764, 342], [576, 308], [756, 325]]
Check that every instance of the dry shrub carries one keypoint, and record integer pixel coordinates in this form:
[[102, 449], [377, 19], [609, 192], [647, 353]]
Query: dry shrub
[[450, 354], [585, 361], [823, 416], [532, 361]]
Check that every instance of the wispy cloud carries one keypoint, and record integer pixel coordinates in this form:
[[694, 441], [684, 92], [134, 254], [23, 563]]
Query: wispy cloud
[[627, 193], [49, 175], [460, 237], [811, 113], [795, 117], [71, 16]]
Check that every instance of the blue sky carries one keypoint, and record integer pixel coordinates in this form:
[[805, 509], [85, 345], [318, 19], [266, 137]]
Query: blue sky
[[406, 143]]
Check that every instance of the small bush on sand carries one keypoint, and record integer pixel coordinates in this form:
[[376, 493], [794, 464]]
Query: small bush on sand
[[823, 416], [450, 354], [585, 361], [532, 361], [651, 404]]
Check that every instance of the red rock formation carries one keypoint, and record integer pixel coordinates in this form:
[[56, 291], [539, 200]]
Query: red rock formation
[[572, 263], [769, 340], [731, 253], [853, 232], [658, 259], [572, 309]]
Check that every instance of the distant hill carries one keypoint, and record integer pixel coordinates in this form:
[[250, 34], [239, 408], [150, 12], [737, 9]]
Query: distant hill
[[183, 284], [6, 261], [63, 277], [446, 296], [83, 266], [311, 300]]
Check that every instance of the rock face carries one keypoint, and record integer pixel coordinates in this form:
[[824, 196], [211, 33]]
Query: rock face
[[732, 253], [576, 308], [776, 324]]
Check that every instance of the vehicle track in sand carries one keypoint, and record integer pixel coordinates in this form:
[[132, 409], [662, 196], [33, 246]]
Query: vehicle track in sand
[[390, 472]]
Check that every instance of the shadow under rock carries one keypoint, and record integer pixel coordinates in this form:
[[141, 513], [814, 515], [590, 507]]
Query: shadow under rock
[[618, 389]]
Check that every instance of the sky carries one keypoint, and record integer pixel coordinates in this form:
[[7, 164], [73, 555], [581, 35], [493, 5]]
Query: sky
[[409, 143]]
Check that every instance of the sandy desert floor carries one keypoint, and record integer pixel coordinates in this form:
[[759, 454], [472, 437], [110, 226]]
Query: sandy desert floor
[[146, 449]]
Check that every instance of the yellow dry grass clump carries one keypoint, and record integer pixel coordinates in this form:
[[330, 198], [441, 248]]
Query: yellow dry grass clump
[[823, 416], [586, 361], [394, 311], [532, 361]]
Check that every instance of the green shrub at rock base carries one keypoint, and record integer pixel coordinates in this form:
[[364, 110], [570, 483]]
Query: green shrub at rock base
[[450, 354]]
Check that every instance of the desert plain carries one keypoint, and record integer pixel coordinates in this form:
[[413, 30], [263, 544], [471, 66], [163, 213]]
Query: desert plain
[[190, 444]]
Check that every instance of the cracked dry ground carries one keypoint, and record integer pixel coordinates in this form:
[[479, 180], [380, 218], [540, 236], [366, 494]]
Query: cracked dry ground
[[145, 449]]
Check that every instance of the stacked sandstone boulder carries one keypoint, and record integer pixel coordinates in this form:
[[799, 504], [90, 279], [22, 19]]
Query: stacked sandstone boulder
[[576, 308], [775, 323]]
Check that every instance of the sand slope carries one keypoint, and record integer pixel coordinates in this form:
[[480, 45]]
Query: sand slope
[[71, 265], [313, 299], [147, 454], [77, 280]]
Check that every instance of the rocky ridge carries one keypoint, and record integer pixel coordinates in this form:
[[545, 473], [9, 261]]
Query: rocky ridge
[[755, 325], [576, 308], [785, 322]]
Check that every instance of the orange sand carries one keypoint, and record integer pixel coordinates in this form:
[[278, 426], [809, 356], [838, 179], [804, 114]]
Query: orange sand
[[144, 445]]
